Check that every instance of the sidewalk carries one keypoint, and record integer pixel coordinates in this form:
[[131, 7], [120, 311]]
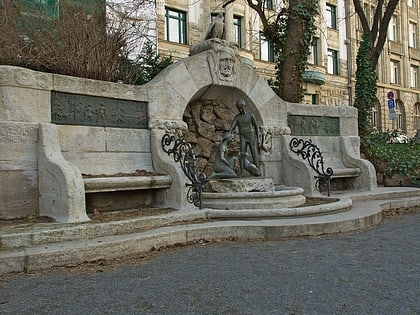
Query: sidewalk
[[46, 245]]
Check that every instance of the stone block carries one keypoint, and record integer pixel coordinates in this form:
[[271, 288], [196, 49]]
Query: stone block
[[109, 163], [82, 138], [127, 140], [241, 184], [24, 104], [18, 170], [18, 193], [83, 86]]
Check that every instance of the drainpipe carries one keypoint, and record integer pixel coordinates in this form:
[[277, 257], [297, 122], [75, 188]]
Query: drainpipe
[[349, 45]]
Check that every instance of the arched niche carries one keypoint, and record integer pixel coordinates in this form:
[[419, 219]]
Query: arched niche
[[198, 78], [208, 116]]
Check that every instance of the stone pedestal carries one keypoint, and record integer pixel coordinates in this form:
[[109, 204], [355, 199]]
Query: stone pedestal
[[240, 184]]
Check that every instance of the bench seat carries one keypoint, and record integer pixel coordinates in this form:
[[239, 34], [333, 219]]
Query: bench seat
[[114, 183], [346, 172]]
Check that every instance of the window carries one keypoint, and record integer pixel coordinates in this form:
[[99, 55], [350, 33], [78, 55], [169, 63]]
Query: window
[[414, 75], [332, 61], [45, 6], [410, 3], [331, 16], [393, 29], [266, 49], [315, 99], [268, 4], [412, 30], [394, 72], [399, 110], [416, 116], [176, 26], [374, 117], [314, 52], [237, 30]]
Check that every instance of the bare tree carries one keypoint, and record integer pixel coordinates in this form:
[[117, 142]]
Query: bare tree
[[92, 40], [289, 27], [378, 29], [138, 18], [370, 48]]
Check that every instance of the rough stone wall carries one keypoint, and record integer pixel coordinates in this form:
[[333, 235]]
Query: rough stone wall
[[207, 120]]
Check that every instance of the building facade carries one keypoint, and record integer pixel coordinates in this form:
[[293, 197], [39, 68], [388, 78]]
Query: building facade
[[330, 76], [175, 25]]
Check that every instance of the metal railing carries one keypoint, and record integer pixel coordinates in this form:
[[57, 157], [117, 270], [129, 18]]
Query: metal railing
[[311, 152], [183, 153]]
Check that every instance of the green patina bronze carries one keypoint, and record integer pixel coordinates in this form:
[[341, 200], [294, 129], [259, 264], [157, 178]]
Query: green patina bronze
[[314, 125], [75, 109]]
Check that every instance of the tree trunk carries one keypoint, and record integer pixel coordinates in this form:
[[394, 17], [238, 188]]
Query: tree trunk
[[290, 83]]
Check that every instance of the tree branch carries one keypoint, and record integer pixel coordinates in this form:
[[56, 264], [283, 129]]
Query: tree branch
[[376, 21], [383, 31], [362, 16]]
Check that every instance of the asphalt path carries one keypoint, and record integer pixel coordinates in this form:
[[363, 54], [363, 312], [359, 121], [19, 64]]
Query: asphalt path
[[376, 271]]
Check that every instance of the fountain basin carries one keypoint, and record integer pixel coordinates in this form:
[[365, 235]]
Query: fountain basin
[[281, 197]]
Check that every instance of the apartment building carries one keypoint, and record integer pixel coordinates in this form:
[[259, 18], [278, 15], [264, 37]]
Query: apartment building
[[175, 25], [330, 76]]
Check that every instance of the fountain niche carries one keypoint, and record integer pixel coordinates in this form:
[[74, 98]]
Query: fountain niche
[[208, 122]]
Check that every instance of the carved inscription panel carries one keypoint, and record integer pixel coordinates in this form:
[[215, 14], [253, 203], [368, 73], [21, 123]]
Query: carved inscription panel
[[75, 109], [301, 125]]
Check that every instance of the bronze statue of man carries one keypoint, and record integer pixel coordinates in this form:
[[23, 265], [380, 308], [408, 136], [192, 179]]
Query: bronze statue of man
[[248, 138]]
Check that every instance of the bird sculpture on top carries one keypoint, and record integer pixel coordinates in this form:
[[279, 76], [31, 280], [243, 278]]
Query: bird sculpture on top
[[217, 28]]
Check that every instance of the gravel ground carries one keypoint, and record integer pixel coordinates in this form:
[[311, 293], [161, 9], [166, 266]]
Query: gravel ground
[[376, 271]]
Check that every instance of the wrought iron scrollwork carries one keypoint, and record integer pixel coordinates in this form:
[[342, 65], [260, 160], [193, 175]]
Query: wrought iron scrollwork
[[311, 152], [183, 153]]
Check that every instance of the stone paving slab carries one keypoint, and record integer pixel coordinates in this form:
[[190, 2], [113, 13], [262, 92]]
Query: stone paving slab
[[374, 271], [66, 252]]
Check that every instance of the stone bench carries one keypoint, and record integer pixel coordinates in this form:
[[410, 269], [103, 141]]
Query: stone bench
[[116, 193], [96, 169], [342, 176], [339, 153], [339, 169]]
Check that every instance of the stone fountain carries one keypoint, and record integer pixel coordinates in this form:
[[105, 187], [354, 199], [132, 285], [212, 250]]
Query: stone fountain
[[228, 190]]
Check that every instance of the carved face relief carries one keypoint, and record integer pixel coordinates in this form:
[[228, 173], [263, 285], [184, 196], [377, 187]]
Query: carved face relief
[[226, 65]]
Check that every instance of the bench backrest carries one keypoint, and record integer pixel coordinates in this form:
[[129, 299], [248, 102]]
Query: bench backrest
[[105, 150]]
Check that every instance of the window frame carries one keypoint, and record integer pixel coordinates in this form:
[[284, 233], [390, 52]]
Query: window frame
[[394, 74], [47, 6], [269, 48], [414, 76], [181, 18], [416, 116], [315, 99], [237, 28], [331, 19], [333, 66], [393, 34], [412, 34], [269, 4], [400, 116], [314, 56]]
